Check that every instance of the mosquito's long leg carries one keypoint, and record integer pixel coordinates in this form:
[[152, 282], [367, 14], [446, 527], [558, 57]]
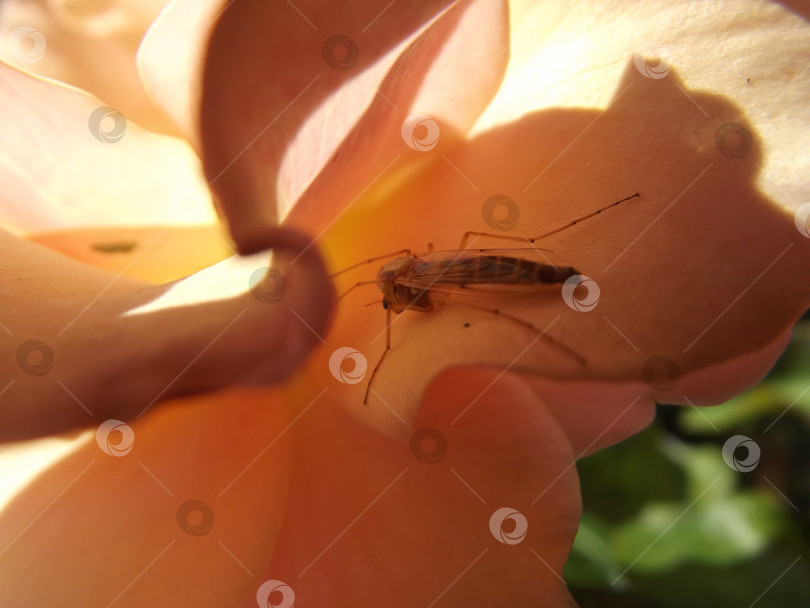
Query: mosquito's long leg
[[542, 333], [505, 237], [387, 256], [532, 239], [385, 352]]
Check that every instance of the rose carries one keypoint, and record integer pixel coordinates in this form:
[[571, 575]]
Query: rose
[[529, 424]]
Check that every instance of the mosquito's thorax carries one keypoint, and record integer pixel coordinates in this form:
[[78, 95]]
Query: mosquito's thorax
[[395, 268]]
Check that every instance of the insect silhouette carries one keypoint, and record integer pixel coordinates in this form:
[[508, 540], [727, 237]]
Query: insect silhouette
[[418, 281]]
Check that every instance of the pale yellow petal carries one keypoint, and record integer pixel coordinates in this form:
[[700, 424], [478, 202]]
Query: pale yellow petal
[[89, 44], [67, 160], [754, 53]]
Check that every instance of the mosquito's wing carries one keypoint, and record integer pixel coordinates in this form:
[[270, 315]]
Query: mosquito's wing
[[502, 272]]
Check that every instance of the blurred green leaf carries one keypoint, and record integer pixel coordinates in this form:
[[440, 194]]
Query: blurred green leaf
[[668, 524], [703, 467], [621, 478], [720, 530]]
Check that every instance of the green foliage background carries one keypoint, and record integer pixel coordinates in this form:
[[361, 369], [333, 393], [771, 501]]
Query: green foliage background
[[667, 523]]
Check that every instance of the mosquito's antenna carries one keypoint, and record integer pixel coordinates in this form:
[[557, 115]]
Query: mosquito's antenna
[[373, 303]]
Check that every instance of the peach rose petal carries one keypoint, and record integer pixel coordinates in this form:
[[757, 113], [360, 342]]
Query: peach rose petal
[[595, 415], [71, 161], [702, 268], [427, 101], [87, 44], [477, 508], [82, 339], [249, 125], [171, 56], [755, 53], [155, 254], [120, 521]]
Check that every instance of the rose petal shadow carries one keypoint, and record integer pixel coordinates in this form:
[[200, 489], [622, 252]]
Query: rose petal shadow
[[701, 269], [287, 129], [118, 346]]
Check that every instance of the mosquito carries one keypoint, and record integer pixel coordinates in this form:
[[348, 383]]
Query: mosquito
[[418, 281]]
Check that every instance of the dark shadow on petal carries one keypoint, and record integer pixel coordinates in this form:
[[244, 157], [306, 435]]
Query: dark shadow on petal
[[797, 6], [700, 269]]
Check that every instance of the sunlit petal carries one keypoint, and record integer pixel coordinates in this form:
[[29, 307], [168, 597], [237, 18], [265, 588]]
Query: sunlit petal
[[171, 56], [120, 346], [155, 254], [243, 154], [124, 507], [70, 161], [85, 43], [427, 101], [754, 54]]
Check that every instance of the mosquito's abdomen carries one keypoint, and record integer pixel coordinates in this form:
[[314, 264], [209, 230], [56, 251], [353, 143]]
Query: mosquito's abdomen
[[507, 269], [547, 273]]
